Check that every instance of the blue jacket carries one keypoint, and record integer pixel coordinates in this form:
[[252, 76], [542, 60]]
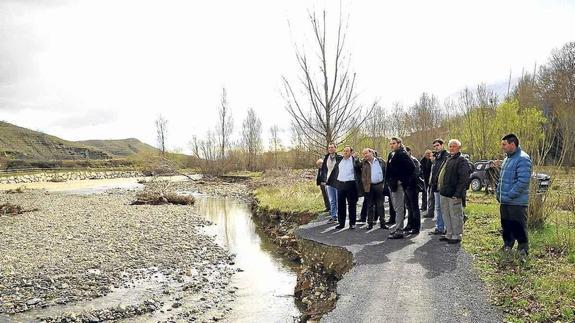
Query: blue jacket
[[513, 187]]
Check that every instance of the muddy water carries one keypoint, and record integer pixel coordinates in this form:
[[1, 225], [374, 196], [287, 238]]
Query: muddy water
[[265, 281]]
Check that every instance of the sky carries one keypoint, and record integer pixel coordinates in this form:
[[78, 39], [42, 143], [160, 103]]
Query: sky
[[106, 69]]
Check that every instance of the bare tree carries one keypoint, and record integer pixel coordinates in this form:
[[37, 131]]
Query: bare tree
[[161, 133], [225, 125], [329, 111], [275, 143], [252, 137]]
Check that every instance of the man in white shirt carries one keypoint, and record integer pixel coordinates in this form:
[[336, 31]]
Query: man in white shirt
[[347, 190]]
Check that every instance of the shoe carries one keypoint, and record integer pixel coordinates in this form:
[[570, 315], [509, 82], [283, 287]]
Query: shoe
[[413, 232], [370, 226], [436, 232], [407, 229], [338, 227], [352, 226], [444, 238], [523, 256], [331, 220], [396, 235], [454, 241], [385, 227]]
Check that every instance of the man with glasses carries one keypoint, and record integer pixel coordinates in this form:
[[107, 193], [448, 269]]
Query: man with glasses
[[400, 170]]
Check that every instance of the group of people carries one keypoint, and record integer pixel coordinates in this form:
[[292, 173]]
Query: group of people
[[442, 176]]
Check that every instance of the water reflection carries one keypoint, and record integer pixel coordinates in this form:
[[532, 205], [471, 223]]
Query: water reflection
[[266, 285]]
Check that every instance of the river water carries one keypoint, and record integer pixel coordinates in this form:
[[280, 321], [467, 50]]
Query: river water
[[265, 281]]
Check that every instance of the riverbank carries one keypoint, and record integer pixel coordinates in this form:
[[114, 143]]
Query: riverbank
[[94, 251]]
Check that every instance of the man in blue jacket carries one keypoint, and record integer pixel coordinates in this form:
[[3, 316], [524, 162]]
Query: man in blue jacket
[[513, 194]]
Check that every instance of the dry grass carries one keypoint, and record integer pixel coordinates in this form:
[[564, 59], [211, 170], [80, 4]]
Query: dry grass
[[10, 209], [17, 190]]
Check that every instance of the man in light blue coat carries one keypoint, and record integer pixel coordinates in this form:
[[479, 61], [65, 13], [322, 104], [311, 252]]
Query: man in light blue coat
[[513, 194]]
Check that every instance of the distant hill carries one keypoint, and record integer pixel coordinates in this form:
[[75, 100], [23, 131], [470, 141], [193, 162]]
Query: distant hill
[[21, 143], [120, 147]]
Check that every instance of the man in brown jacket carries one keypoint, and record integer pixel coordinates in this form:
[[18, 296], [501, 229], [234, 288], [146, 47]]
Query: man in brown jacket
[[372, 176]]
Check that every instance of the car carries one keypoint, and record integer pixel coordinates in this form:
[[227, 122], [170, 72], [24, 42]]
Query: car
[[478, 178]]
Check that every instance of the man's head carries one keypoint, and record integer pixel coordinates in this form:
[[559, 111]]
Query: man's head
[[394, 143], [454, 146], [319, 162], [347, 151], [408, 149], [331, 148], [438, 144], [428, 154], [367, 154], [509, 143]]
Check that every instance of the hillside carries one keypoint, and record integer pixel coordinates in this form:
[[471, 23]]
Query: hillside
[[21, 143], [120, 147]]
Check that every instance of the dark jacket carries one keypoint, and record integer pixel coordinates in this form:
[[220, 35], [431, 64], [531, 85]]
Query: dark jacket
[[455, 177], [513, 187], [331, 181], [426, 169], [356, 174], [400, 167], [366, 173], [440, 158], [318, 179]]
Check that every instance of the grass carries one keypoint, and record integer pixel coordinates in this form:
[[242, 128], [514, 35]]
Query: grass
[[541, 290], [301, 196]]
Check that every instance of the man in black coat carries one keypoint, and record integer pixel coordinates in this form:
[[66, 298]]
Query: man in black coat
[[452, 181], [319, 182], [426, 170], [348, 187], [399, 177]]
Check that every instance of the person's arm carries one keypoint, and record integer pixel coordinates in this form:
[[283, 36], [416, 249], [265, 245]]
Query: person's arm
[[462, 178], [523, 177]]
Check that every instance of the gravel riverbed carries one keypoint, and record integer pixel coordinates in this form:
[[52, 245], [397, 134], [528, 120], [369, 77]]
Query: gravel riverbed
[[96, 249]]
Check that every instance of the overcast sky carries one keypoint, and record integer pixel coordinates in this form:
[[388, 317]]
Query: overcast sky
[[105, 69]]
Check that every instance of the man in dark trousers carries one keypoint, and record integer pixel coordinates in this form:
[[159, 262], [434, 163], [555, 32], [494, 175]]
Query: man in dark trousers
[[372, 176], [348, 187], [439, 159], [329, 178], [452, 182], [426, 170], [319, 182], [513, 195], [399, 173], [412, 196]]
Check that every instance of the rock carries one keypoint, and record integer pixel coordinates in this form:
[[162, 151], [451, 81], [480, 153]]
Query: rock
[[33, 301]]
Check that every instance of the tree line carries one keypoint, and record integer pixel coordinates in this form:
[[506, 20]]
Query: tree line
[[324, 107]]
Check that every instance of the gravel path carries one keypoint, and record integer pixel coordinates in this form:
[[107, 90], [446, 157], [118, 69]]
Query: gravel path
[[419, 279], [131, 260]]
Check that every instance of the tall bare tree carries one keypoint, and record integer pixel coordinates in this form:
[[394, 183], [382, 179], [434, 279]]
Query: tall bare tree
[[275, 143], [252, 137], [328, 112], [225, 125], [161, 133]]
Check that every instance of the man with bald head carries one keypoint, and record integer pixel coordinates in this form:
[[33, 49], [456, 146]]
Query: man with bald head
[[452, 183], [372, 176]]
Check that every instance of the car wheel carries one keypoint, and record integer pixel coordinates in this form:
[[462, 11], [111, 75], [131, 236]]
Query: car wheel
[[476, 184]]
